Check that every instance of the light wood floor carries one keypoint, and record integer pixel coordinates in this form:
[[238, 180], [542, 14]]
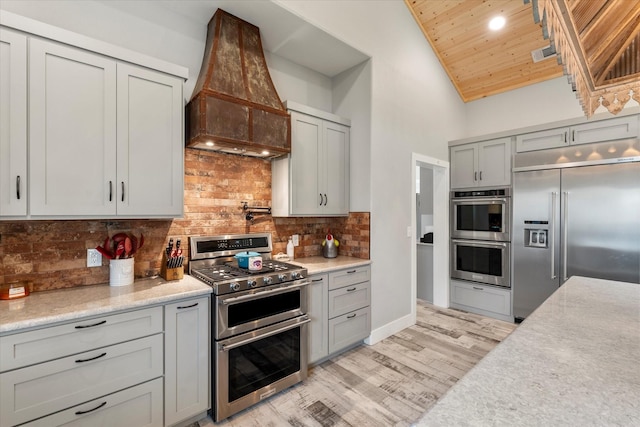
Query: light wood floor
[[391, 383]]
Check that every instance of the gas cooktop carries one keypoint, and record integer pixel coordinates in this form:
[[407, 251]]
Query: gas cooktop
[[212, 262]]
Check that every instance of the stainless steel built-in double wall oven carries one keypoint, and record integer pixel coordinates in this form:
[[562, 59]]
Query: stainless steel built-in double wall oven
[[480, 237]]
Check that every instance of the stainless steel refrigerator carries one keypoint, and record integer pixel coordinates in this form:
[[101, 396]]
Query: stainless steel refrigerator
[[582, 220]]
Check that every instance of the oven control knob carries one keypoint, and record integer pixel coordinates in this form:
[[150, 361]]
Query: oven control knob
[[251, 283], [235, 286], [282, 277], [296, 275], [268, 280]]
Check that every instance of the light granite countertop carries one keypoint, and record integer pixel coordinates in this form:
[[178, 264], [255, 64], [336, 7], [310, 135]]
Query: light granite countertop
[[319, 264], [575, 361], [49, 307]]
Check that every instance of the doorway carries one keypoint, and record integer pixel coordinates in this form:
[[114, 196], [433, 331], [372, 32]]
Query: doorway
[[438, 170]]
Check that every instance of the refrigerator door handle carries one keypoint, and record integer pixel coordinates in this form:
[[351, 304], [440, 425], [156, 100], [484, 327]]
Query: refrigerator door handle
[[552, 232], [565, 199]]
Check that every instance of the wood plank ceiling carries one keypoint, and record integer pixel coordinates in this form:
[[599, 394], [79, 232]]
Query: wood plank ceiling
[[599, 39]]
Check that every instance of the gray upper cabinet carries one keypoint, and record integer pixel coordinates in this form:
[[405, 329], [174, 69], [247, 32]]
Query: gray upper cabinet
[[72, 131], [105, 137], [481, 164], [585, 133], [85, 135], [314, 179], [13, 123]]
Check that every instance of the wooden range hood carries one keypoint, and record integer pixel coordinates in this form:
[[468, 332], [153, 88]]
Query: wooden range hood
[[235, 107]]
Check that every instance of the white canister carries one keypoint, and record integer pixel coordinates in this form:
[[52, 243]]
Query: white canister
[[121, 272], [255, 263]]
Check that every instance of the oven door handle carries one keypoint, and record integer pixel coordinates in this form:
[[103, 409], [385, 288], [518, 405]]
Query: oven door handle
[[480, 201], [262, 294], [480, 243], [227, 347]]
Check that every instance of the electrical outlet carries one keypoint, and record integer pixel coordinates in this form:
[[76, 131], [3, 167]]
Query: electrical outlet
[[94, 258], [296, 240]]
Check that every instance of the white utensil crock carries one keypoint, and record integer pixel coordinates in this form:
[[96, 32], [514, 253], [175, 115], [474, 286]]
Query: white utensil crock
[[121, 272]]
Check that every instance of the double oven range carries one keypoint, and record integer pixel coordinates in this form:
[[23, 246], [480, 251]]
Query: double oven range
[[480, 236], [258, 322]]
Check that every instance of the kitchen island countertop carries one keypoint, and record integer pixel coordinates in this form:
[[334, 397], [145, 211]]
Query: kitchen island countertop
[[574, 361], [48, 307], [319, 264]]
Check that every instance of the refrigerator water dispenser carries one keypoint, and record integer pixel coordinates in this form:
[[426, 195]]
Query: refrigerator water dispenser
[[535, 238]]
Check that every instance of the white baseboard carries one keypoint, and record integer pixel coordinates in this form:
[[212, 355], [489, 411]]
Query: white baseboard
[[389, 329]]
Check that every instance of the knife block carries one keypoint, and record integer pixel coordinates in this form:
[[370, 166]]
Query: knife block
[[169, 274]]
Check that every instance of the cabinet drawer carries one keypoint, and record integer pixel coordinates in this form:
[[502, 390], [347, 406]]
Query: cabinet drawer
[[349, 329], [481, 297], [43, 389], [351, 276], [139, 406], [40, 345], [349, 298]]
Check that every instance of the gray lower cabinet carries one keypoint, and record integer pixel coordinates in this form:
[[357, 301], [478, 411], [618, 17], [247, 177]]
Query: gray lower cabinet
[[113, 370], [139, 406], [340, 311], [318, 312], [481, 299], [186, 335]]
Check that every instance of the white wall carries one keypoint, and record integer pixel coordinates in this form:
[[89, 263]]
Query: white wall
[[545, 102], [414, 108]]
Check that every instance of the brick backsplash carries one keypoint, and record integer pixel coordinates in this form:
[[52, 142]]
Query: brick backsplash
[[52, 254]]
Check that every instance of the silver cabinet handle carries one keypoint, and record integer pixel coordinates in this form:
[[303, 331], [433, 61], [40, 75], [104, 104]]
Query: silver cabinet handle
[[187, 306], [18, 187], [122, 182], [552, 234], [110, 190], [91, 410], [92, 358], [565, 234]]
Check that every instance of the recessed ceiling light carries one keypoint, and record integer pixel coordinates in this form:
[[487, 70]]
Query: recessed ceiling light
[[496, 23]]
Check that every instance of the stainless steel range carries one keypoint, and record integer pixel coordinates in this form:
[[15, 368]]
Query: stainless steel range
[[259, 321]]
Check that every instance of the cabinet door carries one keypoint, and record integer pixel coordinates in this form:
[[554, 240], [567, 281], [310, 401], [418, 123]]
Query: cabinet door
[[72, 131], [550, 138], [13, 119], [150, 143], [464, 166], [186, 359], [306, 150], [349, 329], [139, 406], [319, 314], [494, 162], [335, 169], [605, 130]]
